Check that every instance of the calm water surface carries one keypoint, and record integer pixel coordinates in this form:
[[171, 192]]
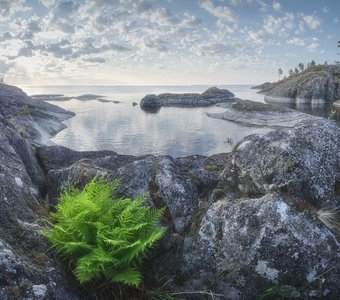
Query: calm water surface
[[127, 129]]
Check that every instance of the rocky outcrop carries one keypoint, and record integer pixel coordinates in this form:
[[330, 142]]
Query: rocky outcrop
[[315, 85], [33, 119], [27, 269], [260, 114], [262, 86], [209, 97], [238, 223]]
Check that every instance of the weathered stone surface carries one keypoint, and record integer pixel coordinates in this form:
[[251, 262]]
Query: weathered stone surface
[[315, 85], [168, 180], [33, 119], [24, 262], [261, 227], [260, 114], [244, 247], [150, 102], [303, 162], [27, 271], [210, 97]]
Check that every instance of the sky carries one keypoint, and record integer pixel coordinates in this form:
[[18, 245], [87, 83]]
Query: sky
[[163, 42]]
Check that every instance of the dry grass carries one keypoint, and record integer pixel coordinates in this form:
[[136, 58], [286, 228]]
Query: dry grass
[[331, 218]]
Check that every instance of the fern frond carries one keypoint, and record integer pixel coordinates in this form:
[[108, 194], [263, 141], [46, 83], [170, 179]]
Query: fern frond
[[129, 276], [104, 236]]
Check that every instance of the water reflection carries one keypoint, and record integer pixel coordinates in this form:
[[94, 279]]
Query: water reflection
[[315, 108], [129, 130]]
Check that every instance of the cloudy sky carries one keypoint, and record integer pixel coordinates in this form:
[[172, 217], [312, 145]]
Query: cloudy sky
[[158, 42]]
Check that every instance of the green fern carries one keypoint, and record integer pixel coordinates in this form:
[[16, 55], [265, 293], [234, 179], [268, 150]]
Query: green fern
[[104, 236]]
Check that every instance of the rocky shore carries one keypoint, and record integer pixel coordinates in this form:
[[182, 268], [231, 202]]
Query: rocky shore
[[316, 85], [263, 216], [261, 114]]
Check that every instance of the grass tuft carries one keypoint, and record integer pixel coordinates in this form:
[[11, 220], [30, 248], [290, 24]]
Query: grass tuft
[[331, 218]]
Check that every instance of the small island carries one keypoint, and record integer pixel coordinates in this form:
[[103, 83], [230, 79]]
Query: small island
[[210, 97]]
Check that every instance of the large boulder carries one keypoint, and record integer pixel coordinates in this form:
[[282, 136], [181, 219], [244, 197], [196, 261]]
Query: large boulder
[[303, 163], [150, 102], [242, 248], [169, 182]]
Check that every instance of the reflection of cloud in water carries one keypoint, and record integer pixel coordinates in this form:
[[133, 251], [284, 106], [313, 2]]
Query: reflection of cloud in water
[[127, 130]]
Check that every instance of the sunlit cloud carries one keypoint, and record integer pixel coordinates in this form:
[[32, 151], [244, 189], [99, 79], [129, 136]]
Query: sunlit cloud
[[184, 42]]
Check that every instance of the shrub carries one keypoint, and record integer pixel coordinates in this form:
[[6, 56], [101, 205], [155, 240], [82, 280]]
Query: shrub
[[104, 237]]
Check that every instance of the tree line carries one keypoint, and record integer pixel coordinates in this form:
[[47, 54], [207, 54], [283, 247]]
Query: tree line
[[301, 67]]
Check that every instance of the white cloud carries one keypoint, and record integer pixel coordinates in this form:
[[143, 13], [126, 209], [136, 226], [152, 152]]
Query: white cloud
[[296, 42], [5, 66], [96, 60], [9, 7], [63, 16], [47, 3], [239, 2], [312, 22], [6, 37], [276, 6], [313, 45], [325, 9], [257, 37], [279, 26], [263, 5], [220, 12]]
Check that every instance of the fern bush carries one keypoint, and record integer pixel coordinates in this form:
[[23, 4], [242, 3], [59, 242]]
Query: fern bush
[[104, 236]]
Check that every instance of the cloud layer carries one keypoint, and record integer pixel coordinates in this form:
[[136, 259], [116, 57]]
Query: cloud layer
[[170, 41]]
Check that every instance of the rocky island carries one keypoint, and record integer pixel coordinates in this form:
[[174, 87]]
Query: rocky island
[[239, 224], [315, 85], [210, 97]]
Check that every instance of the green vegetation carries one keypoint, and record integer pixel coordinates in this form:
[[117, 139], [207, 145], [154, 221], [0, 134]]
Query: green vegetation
[[311, 66], [23, 133], [25, 111], [276, 292], [285, 292], [103, 236]]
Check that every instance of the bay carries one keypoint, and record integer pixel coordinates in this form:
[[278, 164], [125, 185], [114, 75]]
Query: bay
[[127, 129]]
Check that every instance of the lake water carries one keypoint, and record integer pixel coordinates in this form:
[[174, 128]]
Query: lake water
[[127, 129]]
